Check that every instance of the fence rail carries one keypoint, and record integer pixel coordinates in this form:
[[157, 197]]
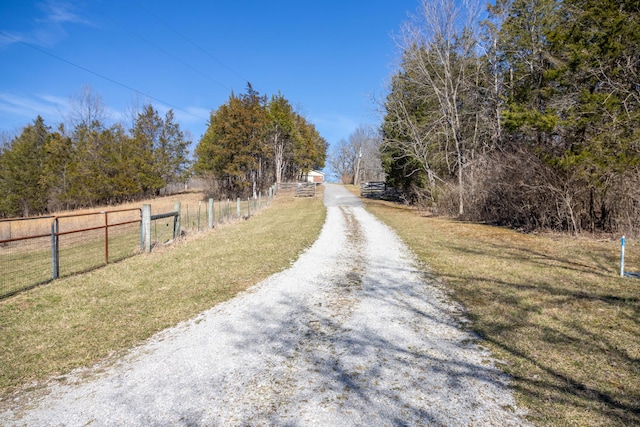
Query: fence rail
[[301, 189], [306, 189], [373, 189], [34, 251]]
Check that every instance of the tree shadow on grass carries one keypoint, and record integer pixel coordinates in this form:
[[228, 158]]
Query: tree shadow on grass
[[560, 344]]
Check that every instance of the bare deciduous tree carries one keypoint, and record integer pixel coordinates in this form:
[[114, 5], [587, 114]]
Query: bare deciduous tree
[[439, 46], [357, 159], [87, 109], [366, 144]]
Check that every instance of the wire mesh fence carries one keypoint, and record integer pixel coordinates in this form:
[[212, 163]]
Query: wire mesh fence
[[162, 230], [25, 253], [36, 250], [202, 215], [86, 241]]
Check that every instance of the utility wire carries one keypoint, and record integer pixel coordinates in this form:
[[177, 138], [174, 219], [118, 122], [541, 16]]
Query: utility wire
[[102, 76], [166, 24], [166, 52]]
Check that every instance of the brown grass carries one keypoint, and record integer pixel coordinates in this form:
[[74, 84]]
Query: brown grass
[[78, 321], [552, 308]]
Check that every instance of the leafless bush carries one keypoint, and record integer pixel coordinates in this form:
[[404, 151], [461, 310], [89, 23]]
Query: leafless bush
[[517, 189]]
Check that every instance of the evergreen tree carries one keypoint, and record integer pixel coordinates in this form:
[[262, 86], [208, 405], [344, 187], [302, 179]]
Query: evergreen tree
[[22, 191], [87, 179], [310, 149], [59, 152], [597, 46], [118, 153], [232, 149], [172, 150], [146, 134]]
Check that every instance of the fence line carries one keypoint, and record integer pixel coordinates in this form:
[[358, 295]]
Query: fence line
[[46, 248]]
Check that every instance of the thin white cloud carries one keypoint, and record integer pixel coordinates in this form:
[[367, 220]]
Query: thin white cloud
[[60, 12], [46, 106], [56, 100], [49, 29], [17, 111], [10, 37]]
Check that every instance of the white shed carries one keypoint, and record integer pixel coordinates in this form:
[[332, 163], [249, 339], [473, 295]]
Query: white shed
[[315, 177]]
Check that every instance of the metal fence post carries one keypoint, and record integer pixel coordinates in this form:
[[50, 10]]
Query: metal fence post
[[55, 250], [146, 228], [176, 221], [210, 213], [141, 233], [106, 237], [622, 258]]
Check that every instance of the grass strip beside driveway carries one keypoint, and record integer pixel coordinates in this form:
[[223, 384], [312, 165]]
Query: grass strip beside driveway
[[553, 308], [78, 321]]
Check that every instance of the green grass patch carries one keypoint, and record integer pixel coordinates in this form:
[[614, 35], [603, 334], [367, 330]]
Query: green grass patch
[[80, 320], [552, 308]]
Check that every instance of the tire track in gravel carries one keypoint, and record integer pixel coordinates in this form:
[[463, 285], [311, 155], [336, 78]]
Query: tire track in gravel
[[318, 330]]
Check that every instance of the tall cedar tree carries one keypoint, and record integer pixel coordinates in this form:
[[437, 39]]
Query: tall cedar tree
[[22, 192], [160, 150], [232, 149]]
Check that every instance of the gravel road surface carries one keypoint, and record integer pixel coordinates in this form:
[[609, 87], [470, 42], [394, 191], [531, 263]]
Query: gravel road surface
[[353, 334]]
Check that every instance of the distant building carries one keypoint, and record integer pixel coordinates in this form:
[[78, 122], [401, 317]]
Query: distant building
[[315, 177]]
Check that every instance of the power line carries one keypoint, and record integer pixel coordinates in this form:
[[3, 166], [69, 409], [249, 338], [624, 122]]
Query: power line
[[166, 24], [109, 79], [166, 52]]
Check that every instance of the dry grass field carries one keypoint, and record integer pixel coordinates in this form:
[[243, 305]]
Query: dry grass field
[[553, 308]]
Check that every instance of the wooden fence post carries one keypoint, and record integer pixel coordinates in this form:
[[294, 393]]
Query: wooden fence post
[[210, 213], [146, 228], [55, 249], [238, 207], [199, 206]]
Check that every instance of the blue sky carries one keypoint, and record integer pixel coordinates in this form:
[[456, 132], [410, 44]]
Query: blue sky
[[328, 58]]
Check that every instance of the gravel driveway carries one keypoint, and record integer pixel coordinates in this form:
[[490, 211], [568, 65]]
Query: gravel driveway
[[352, 334]]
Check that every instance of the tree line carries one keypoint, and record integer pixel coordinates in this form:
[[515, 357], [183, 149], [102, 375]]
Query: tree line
[[529, 117], [254, 141], [87, 162]]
